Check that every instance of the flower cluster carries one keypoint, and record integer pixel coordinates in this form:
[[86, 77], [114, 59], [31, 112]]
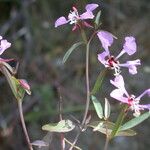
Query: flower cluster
[[110, 61], [75, 18], [4, 44]]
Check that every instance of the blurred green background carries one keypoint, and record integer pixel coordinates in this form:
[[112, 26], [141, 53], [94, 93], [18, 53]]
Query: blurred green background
[[39, 47]]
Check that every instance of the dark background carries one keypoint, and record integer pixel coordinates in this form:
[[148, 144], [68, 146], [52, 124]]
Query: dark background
[[39, 47]]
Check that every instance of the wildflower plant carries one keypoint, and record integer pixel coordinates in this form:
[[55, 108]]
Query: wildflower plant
[[129, 102]]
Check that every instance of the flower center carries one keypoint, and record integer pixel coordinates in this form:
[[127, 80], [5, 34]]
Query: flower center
[[73, 16], [134, 105], [113, 64]]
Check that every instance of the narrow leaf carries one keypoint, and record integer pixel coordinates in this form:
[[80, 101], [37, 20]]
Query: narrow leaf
[[106, 128], [97, 19], [135, 121], [97, 106], [107, 109], [62, 126], [99, 82], [73, 47]]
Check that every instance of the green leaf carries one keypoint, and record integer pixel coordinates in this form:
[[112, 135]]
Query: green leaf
[[62, 126], [135, 121], [97, 106], [97, 19], [107, 109], [67, 54], [19, 91], [106, 128], [99, 82]]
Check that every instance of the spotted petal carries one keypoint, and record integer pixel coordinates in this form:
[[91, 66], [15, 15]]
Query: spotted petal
[[61, 21], [91, 7], [130, 45]]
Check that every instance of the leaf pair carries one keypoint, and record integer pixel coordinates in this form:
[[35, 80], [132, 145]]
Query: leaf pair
[[99, 109]]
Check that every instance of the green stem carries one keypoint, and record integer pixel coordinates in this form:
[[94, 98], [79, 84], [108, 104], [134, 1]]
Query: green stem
[[106, 143], [87, 74], [87, 85], [23, 124], [119, 121]]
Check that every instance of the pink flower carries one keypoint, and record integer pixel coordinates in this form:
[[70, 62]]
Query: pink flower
[[122, 95], [74, 17], [4, 44], [112, 62]]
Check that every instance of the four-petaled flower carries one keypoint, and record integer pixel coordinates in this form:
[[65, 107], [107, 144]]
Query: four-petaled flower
[[122, 95], [112, 62], [4, 44], [74, 17]]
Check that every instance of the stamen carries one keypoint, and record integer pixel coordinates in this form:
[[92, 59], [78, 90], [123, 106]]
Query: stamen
[[113, 64], [134, 105], [73, 16]]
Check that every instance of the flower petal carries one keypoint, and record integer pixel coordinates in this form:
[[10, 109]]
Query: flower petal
[[118, 95], [132, 65], [145, 92], [4, 45], [146, 106], [91, 7], [106, 39], [102, 56], [119, 83], [130, 45], [61, 21], [87, 15]]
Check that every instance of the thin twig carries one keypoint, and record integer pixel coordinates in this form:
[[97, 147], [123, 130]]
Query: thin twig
[[75, 140], [87, 80], [60, 117], [107, 137]]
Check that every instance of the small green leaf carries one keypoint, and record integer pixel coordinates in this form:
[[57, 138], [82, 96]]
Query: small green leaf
[[97, 106], [20, 92], [97, 19], [99, 82], [135, 121], [67, 54], [107, 109], [62, 126], [106, 128]]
